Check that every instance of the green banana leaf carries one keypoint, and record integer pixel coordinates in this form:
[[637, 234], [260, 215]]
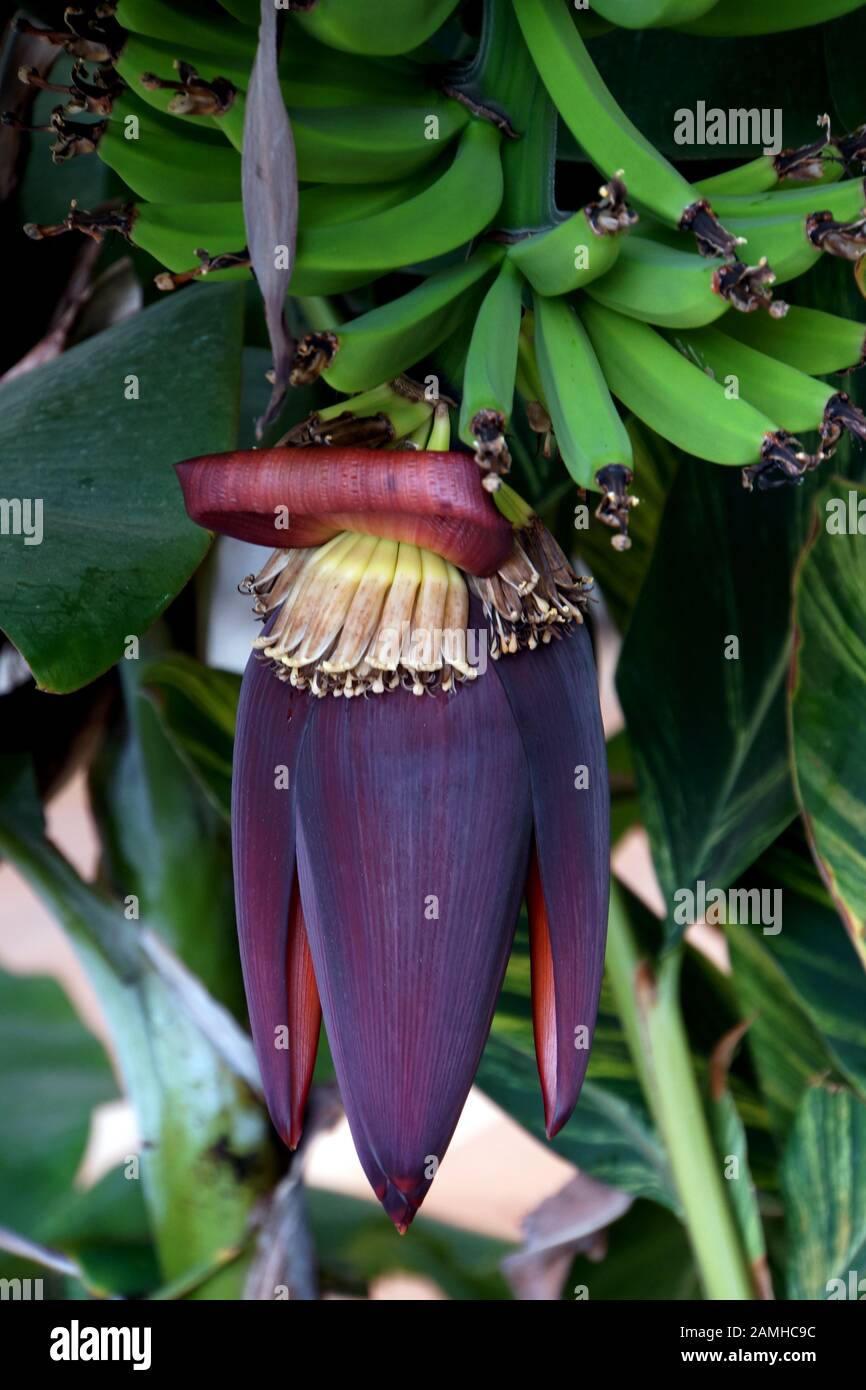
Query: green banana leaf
[[205, 1153], [828, 696], [824, 1182], [106, 1231], [196, 706], [52, 1074], [708, 734], [786, 69], [96, 433], [166, 849], [803, 988]]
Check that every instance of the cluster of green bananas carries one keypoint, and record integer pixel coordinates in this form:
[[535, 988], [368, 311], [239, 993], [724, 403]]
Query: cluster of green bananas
[[411, 157]]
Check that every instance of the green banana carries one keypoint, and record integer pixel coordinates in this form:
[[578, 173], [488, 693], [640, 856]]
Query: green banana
[[650, 14], [326, 204], [159, 157], [796, 401], [601, 127], [588, 428], [811, 340], [814, 164], [781, 241], [363, 144], [310, 74], [844, 200], [339, 256], [564, 258], [660, 285], [739, 18], [396, 26], [190, 25], [491, 364], [673, 396], [141, 53], [393, 337]]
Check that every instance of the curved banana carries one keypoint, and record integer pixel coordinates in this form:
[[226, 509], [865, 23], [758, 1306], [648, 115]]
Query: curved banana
[[343, 255], [564, 258], [588, 428], [672, 395], [326, 204], [815, 164], [143, 54], [660, 285], [601, 127], [394, 336], [491, 365], [735, 18], [190, 25], [843, 200], [811, 340], [396, 26], [310, 74], [160, 157], [363, 144], [796, 401]]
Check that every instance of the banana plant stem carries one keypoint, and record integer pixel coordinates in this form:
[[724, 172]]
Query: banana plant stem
[[649, 1009], [503, 77]]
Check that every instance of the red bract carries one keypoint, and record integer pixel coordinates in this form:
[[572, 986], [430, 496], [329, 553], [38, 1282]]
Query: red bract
[[411, 822], [294, 498]]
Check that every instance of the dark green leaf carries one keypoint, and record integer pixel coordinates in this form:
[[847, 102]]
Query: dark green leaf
[[828, 696], [106, 1230], [52, 1074], [844, 41], [708, 734], [164, 842], [205, 1156], [803, 988], [116, 542], [824, 1181], [654, 73], [197, 707]]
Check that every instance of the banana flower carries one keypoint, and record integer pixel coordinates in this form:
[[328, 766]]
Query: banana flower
[[383, 845]]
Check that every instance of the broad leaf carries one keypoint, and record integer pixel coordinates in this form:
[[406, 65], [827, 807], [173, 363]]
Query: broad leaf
[[167, 849], [824, 1182], [828, 697], [197, 707], [205, 1154], [92, 438], [729, 1133], [723, 73], [802, 988], [708, 730], [106, 1231], [52, 1073]]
